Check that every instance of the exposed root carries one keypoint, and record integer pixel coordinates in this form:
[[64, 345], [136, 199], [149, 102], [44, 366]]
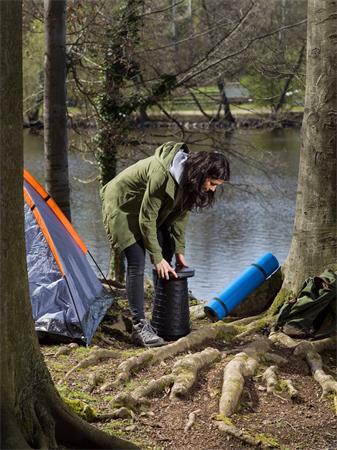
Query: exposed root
[[76, 433], [243, 320], [242, 365], [95, 379], [96, 357], [270, 378], [247, 438], [130, 401], [132, 364], [191, 419], [293, 392], [302, 346], [185, 371], [154, 387], [66, 349], [120, 413], [327, 382], [315, 346], [182, 378], [251, 327], [197, 311], [108, 386], [309, 350], [284, 339], [183, 344], [276, 359]]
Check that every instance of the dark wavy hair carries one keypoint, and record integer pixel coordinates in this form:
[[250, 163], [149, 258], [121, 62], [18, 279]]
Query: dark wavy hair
[[198, 167]]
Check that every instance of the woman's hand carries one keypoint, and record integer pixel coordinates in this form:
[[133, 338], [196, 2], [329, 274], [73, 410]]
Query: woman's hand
[[180, 260], [164, 269]]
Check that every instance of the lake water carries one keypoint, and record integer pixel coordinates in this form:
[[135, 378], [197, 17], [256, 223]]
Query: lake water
[[253, 214]]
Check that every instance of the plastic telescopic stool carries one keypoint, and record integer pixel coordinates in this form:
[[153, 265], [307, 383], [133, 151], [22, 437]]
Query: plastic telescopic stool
[[171, 314]]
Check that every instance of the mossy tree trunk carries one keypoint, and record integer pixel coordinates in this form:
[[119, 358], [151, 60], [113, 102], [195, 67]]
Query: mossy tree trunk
[[314, 242], [55, 107], [32, 415]]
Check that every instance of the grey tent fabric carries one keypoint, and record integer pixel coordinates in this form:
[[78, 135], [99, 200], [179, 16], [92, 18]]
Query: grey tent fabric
[[68, 300]]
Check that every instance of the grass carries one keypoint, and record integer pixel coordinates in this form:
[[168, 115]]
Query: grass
[[185, 105]]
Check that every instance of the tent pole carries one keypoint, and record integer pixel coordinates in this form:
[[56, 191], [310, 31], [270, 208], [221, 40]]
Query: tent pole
[[100, 271], [72, 298]]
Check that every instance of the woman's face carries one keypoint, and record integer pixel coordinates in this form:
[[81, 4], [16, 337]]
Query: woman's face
[[210, 184]]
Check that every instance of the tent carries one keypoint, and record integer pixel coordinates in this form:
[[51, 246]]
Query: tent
[[68, 300]]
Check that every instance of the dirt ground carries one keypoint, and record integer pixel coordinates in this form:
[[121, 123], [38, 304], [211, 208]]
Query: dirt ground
[[309, 423]]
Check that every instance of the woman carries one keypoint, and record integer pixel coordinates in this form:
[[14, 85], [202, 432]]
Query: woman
[[145, 208]]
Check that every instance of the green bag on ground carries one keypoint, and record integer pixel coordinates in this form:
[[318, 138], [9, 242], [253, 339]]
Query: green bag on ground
[[313, 313]]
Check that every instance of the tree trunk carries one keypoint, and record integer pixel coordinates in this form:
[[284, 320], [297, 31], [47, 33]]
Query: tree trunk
[[32, 415], [34, 112], [55, 108], [314, 242], [288, 81], [228, 117]]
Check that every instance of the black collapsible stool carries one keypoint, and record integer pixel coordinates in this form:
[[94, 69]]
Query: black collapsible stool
[[171, 314]]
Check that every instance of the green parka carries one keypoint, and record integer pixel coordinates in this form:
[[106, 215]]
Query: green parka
[[140, 199]]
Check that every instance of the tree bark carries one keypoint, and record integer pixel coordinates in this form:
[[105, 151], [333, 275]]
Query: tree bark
[[55, 108], [34, 113], [32, 415], [288, 81], [314, 242], [228, 117]]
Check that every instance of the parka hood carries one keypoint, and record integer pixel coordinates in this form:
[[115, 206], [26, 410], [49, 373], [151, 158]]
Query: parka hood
[[166, 152]]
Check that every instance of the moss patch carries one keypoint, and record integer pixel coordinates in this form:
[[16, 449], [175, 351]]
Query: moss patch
[[81, 409], [226, 420], [283, 296], [267, 440]]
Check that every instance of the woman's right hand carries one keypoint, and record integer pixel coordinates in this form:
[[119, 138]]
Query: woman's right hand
[[164, 269]]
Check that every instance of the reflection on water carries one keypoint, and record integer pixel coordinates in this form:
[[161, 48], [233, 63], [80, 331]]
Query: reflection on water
[[253, 215]]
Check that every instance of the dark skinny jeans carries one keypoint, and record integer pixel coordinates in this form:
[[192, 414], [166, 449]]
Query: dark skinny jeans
[[135, 256]]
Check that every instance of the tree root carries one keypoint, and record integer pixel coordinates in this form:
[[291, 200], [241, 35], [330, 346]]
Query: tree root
[[270, 378], [51, 425], [94, 380], [74, 432], [244, 364], [182, 377], [315, 346], [129, 400], [66, 349], [251, 326], [284, 339], [243, 320], [191, 419], [186, 369], [327, 382], [183, 344], [293, 392], [197, 311], [96, 357], [120, 413], [302, 346], [309, 350], [154, 387], [254, 441]]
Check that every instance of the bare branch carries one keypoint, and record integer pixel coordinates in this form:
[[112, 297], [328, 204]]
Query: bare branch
[[158, 11], [189, 77]]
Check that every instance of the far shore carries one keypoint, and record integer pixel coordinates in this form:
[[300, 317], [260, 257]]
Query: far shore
[[244, 118]]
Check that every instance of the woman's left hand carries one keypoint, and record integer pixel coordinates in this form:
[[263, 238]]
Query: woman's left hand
[[180, 260]]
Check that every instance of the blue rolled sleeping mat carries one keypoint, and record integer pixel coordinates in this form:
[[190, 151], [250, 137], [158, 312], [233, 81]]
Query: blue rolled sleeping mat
[[249, 280]]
